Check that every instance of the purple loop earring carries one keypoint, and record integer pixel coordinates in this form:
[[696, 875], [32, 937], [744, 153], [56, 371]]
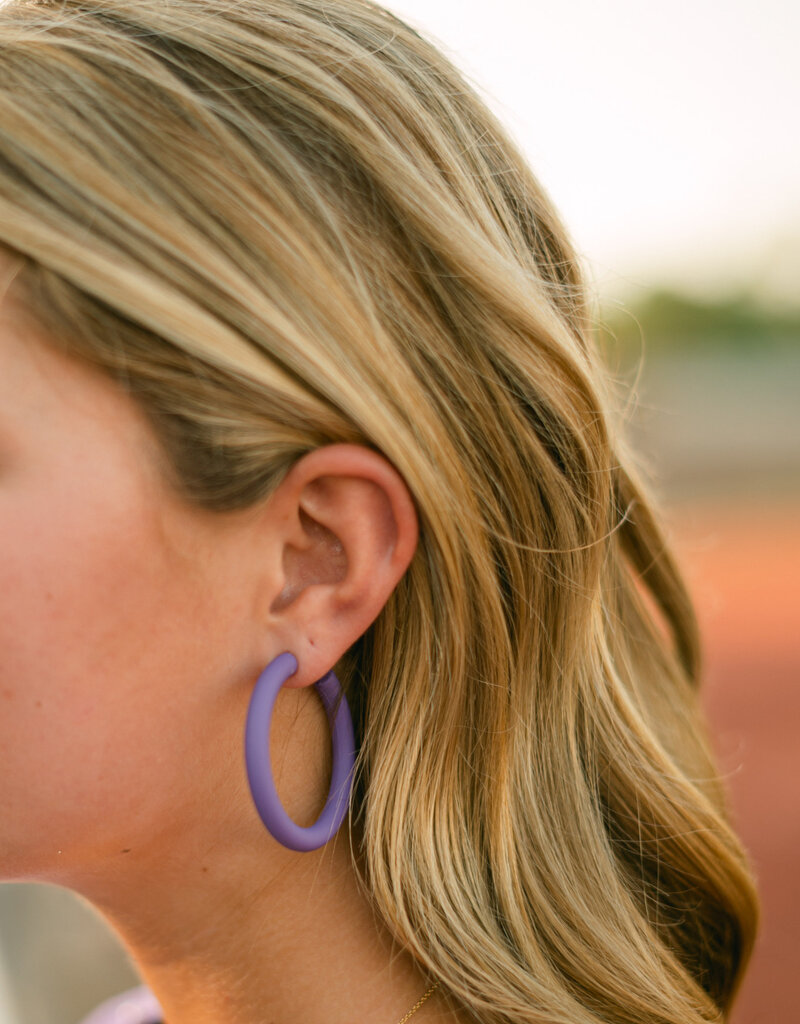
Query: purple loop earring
[[259, 766]]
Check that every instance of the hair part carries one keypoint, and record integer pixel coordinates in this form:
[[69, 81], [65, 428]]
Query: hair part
[[282, 224]]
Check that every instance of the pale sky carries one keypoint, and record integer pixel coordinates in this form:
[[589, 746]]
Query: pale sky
[[668, 135]]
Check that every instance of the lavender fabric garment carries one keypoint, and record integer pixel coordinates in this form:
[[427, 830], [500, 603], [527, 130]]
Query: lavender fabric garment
[[136, 1006]]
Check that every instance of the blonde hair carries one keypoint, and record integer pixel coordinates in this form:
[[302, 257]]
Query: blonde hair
[[282, 224]]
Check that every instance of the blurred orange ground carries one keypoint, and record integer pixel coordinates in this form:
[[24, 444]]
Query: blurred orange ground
[[743, 566]]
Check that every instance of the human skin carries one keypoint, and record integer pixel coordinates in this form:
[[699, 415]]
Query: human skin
[[132, 631]]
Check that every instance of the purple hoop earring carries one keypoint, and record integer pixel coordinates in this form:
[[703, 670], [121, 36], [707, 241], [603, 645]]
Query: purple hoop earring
[[259, 766]]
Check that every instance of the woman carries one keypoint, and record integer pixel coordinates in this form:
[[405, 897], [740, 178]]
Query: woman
[[299, 386]]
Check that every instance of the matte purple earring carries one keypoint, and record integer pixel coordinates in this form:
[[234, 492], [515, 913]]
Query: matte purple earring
[[259, 766]]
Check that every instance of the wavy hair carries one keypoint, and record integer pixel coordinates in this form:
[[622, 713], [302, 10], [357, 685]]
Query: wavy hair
[[282, 224]]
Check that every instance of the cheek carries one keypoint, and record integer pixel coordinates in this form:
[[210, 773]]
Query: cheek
[[94, 654]]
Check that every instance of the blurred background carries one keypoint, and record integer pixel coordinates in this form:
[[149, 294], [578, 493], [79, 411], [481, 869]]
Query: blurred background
[[667, 137]]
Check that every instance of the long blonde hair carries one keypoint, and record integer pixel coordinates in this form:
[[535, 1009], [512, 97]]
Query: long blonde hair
[[281, 224]]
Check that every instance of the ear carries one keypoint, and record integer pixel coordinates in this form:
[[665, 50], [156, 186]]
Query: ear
[[345, 529]]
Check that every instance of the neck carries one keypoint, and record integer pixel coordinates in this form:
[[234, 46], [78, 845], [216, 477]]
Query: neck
[[300, 943], [224, 924]]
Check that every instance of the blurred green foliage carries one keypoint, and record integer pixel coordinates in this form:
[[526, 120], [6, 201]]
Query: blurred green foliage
[[664, 319]]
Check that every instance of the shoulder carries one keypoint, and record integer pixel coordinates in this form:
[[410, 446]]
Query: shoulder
[[136, 1006]]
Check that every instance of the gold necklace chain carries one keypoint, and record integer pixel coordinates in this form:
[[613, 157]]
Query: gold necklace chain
[[419, 1003]]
